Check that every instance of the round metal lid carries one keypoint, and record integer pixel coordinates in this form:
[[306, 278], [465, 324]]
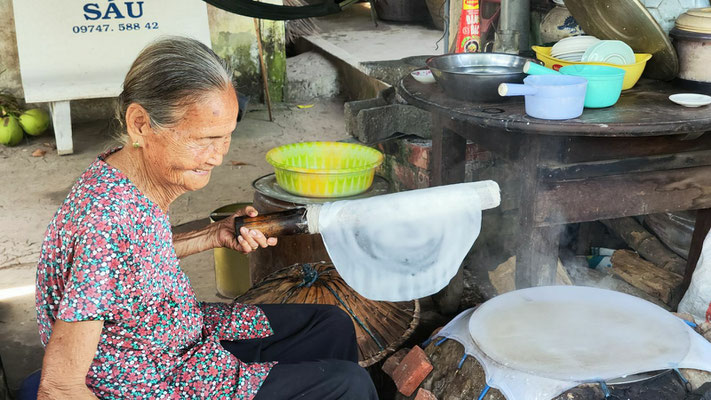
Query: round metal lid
[[697, 20], [704, 12], [267, 185], [630, 22]]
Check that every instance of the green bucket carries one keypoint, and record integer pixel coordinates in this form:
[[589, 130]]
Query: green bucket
[[231, 267]]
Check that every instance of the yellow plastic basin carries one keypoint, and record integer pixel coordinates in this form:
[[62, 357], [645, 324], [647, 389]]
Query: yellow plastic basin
[[324, 169], [632, 71]]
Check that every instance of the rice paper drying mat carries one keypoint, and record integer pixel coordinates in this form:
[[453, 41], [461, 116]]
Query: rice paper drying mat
[[381, 326]]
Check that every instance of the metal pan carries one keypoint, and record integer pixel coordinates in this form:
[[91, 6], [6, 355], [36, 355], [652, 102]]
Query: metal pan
[[476, 77]]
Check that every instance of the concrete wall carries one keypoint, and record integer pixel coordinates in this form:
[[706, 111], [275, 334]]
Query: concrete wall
[[9, 63], [233, 38]]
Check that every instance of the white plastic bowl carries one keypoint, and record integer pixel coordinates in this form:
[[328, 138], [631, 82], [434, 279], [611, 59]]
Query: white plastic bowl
[[423, 76]]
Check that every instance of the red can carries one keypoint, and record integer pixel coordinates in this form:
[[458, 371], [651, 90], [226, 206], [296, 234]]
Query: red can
[[468, 37]]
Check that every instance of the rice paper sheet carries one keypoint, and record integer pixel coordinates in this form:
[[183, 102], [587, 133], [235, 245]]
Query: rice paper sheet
[[405, 245]]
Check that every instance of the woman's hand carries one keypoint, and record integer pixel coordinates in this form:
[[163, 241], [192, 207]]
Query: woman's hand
[[247, 240], [222, 234]]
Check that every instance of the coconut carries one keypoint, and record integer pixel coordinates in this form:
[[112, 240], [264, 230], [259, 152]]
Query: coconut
[[34, 121], [10, 131]]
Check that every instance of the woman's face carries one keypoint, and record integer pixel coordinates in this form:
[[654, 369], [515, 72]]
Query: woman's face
[[181, 157]]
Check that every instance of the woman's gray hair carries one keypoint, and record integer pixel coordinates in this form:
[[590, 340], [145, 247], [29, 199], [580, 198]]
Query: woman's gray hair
[[168, 75]]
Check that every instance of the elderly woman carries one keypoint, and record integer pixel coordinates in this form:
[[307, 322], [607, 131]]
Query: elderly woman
[[117, 315]]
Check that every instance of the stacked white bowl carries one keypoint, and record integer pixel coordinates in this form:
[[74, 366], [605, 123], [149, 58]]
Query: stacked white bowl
[[573, 48], [592, 49]]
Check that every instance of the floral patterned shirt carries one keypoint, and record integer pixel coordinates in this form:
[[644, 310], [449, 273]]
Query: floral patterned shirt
[[108, 255]]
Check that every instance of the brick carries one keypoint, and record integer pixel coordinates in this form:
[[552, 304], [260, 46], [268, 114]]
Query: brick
[[420, 153], [474, 152], [412, 370], [423, 179], [424, 394], [404, 176], [393, 361], [408, 162]]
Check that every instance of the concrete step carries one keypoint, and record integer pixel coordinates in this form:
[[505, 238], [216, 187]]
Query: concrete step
[[370, 58]]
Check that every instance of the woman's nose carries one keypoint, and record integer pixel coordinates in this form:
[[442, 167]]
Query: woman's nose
[[215, 158], [217, 152]]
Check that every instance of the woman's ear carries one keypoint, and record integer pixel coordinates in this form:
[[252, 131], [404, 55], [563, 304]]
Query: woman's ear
[[138, 122]]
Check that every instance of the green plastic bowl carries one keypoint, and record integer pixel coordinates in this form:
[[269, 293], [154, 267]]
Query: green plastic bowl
[[604, 83], [324, 169]]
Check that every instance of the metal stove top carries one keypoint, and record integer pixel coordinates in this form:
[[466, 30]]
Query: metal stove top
[[267, 185]]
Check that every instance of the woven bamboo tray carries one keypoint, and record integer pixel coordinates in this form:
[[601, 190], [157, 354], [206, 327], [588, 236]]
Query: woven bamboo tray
[[381, 326]]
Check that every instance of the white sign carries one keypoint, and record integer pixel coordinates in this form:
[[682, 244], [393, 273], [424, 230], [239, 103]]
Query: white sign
[[78, 49]]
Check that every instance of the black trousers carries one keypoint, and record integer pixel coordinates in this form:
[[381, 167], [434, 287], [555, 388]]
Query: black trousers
[[317, 353]]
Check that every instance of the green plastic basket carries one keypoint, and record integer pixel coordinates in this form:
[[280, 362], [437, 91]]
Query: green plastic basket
[[324, 169]]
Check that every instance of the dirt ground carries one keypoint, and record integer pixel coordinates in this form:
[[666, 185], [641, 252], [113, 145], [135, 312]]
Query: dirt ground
[[34, 187]]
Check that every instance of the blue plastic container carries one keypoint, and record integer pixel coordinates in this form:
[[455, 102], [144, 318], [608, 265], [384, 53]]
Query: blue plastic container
[[604, 83], [550, 96]]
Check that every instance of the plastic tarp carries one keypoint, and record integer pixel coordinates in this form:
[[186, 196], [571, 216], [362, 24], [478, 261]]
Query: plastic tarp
[[255, 9], [697, 299]]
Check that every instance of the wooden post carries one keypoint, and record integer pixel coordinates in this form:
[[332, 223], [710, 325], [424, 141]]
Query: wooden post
[[537, 247], [455, 11], [265, 77], [448, 162], [448, 155], [537, 256], [62, 125]]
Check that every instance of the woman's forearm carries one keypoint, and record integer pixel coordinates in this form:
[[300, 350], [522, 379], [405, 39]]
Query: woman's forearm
[[193, 242], [48, 391], [67, 359]]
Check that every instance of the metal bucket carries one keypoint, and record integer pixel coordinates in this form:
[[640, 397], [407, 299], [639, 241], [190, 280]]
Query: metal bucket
[[694, 50], [231, 267]]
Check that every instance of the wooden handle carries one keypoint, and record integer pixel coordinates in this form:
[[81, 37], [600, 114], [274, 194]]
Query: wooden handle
[[291, 222]]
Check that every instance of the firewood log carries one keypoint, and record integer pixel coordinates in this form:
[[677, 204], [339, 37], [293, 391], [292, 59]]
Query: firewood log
[[646, 276], [646, 244]]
